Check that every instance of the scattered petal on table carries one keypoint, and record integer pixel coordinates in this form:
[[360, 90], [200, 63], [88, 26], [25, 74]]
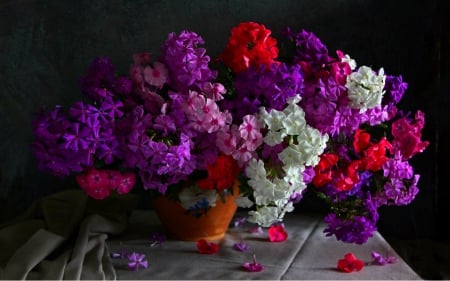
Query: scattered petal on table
[[157, 239], [121, 254], [256, 229], [239, 221], [277, 233], [253, 266], [137, 261], [350, 263], [380, 260], [241, 246], [205, 247]]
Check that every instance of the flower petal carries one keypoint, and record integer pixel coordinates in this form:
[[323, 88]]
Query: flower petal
[[205, 247], [277, 233]]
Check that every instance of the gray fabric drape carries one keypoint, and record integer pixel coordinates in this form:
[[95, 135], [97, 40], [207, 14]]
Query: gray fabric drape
[[63, 237]]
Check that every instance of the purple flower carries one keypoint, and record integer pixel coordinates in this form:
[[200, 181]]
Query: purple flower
[[187, 63], [240, 221], [357, 230], [136, 261], [383, 260], [157, 239], [241, 246], [123, 85], [395, 88], [309, 48]]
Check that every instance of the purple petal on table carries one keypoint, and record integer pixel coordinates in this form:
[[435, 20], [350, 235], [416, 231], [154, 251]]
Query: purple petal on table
[[157, 238], [256, 229], [383, 260], [241, 246], [137, 260], [239, 221]]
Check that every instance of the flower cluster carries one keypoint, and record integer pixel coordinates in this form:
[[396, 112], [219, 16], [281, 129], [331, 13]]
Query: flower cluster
[[187, 125], [328, 126]]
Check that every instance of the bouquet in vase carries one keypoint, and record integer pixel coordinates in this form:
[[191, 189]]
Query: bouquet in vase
[[277, 126]]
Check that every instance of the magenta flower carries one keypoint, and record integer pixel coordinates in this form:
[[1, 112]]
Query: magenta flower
[[253, 266]]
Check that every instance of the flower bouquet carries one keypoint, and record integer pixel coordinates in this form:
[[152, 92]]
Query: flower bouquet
[[192, 128]]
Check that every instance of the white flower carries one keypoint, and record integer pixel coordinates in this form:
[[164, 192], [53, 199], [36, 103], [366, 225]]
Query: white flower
[[294, 177], [255, 169], [243, 202], [365, 88], [274, 137], [265, 216], [273, 120], [263, 191], [351, 62], [311, 144], [295, 121]]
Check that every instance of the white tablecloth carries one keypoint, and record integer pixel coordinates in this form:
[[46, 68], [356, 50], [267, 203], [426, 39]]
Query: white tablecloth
[[306, 254]]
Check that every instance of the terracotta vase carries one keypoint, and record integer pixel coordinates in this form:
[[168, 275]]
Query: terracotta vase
[[184, 226]]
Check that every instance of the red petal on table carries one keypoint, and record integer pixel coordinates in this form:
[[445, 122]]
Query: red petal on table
[[277, 233], [350, 263], [205, 247]]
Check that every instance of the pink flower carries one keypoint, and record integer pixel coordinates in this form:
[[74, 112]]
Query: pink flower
[[277, 233], [226, 141], [249, 129], [214, 91], [156, 76]]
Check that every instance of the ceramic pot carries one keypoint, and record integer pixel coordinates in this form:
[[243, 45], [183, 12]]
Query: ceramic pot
[[181, 225]]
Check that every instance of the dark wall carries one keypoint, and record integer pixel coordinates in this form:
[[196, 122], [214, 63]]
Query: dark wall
[[46, 45]]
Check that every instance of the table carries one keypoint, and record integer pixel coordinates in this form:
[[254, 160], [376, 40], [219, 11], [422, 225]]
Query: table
[[307, 254]]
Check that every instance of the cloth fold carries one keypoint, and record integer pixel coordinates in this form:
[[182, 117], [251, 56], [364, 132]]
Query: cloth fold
[[63, 237]]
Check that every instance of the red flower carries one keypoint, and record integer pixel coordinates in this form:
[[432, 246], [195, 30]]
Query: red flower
[[350, 263], [323, 173], [277, 233], [221, 174], [361, 140], [205, 247], [250, 44], [376, 155]]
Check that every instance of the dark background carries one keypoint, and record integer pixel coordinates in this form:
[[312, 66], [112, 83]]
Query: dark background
[[45, 46]]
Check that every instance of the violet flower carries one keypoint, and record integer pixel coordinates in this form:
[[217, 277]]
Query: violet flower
[[137, 261], [241, 246], [383, 260], [157, 239]]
